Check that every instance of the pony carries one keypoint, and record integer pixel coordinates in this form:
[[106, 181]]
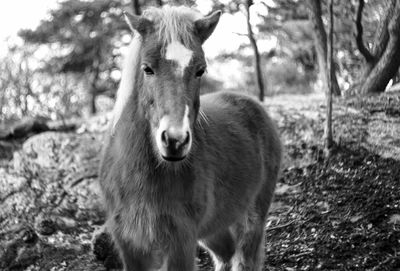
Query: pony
[[179, 169]]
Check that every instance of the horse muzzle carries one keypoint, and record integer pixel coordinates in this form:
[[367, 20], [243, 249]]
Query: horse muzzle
[[174, 138], [175, 145]]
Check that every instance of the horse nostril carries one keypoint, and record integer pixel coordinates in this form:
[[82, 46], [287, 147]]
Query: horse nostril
[[183, 141], [164, 138], [187, 139]]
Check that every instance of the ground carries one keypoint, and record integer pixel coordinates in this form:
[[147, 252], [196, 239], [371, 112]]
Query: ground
[[336, 213]]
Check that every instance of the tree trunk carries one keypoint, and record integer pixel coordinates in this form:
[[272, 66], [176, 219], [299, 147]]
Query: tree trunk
[[94, 90], [136, 7], [2, 98], [329, 90], [384, 62], [92, 103], [396, 78], [257, 59], [29, 125], [382, 34], [387, 66], [93, 93], [315, 16]]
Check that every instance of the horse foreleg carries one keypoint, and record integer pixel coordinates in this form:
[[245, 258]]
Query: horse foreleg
[[182, 252], [221, 246], [249, 254], [135, 259]]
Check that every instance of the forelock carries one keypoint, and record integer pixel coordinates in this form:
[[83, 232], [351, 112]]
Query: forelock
[[173, 23]]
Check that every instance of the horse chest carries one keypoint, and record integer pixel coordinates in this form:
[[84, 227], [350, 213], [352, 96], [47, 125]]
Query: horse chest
[[150, 206], [148, 221], [141, 223]]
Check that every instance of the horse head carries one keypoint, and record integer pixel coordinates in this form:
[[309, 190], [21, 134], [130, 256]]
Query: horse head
[[172, 63]]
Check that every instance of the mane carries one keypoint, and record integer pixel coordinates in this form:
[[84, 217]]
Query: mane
[[172, 24], [127, 83]]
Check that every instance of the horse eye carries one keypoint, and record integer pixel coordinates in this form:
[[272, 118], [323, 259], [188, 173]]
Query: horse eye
[[200, 72], [147, 70]]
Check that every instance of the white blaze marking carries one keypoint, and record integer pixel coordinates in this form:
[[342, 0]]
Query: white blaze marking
[[161, 128], [179, 53], [185, 121], [176, 130], [165, 124]]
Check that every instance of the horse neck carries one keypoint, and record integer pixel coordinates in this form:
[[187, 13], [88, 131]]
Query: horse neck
[[133, 128]]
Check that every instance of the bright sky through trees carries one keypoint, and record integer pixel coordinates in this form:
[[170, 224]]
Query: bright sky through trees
[[17, 14]]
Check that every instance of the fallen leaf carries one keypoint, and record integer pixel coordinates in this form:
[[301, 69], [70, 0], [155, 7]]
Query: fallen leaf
[[395, 219], [356, 218], [282, 189]]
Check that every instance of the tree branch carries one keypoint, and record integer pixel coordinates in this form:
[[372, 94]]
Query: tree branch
[[320, 40], [381, 37], [328, 133], [389, 62], [257, 58], [359, 34]]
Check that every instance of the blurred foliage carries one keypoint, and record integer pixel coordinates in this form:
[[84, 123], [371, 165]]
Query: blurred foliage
[[286, 76], [85, 34], [288, 21], [28, 91]]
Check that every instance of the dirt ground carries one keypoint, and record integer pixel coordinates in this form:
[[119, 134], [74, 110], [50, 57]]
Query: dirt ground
[[336, 213]]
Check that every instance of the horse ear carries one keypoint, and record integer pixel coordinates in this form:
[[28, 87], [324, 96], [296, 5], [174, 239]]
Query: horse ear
[[138, 23], [205, 26]]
